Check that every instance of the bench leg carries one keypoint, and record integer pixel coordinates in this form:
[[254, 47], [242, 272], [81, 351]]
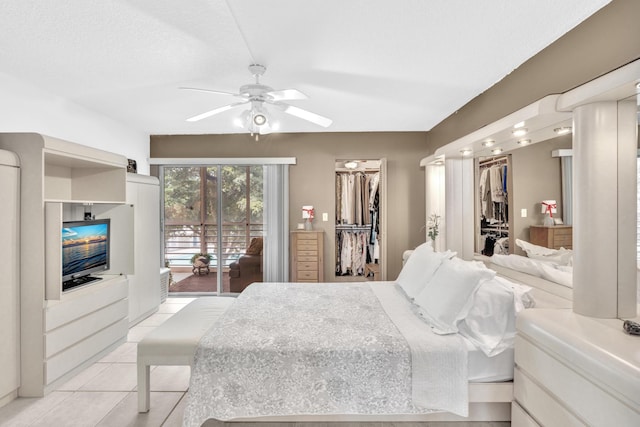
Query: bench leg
[[144, 384]]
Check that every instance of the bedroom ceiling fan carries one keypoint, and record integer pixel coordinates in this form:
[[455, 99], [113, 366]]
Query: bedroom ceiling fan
[[256, 119]]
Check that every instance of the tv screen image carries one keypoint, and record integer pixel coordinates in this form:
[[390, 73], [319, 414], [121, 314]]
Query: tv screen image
[[85, 250]]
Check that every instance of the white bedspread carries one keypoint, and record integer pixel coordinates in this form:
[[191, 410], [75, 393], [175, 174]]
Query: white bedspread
[[329, 348]]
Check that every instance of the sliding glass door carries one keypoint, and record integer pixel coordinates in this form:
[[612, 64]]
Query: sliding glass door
[[211, 211]]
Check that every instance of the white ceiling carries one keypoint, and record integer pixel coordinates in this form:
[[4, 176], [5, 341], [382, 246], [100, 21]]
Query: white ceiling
[[376, 65]]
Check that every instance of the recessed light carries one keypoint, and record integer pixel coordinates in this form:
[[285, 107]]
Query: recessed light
[[465, 151], [488, 143], [563, 130], [352, 164], [520, 132], [524, 141], [496, 151], [638, 85], [518, 125]]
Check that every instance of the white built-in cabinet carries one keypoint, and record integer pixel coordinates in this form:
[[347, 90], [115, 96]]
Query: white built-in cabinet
[[10, 283], [63, 332], [143, 193], [574, 370]]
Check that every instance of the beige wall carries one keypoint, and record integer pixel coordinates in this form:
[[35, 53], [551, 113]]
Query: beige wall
[[602, 43], [312, 178], [536, 177]]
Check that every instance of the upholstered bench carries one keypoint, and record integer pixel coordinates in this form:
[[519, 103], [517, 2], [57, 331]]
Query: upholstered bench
[[174, 342]]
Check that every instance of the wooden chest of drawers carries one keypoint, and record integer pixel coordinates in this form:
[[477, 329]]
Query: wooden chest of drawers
[[556, 237], [307, 256]]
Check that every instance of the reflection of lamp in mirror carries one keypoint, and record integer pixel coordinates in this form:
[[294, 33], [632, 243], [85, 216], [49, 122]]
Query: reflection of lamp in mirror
[[548, 209]]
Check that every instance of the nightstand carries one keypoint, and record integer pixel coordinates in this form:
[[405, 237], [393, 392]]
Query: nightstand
[[555, 237]]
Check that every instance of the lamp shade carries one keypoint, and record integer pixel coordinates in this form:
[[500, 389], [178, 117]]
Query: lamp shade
[[307, 212], [548, 206]]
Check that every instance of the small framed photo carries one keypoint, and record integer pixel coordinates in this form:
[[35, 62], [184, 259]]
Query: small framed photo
[[132, 166], [557, 221]]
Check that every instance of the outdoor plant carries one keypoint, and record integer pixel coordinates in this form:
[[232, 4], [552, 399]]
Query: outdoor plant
[[201, 255]]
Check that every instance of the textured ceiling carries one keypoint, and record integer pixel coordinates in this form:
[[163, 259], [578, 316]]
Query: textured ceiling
[[375, 65]]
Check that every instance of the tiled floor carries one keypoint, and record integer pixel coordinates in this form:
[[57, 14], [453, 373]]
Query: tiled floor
[[105, 394]]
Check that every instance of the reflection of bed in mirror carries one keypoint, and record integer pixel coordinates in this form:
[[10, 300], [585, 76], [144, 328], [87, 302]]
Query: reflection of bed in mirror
[[349, 352]]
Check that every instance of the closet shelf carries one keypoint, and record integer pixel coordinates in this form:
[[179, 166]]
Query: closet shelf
[[353, 227]]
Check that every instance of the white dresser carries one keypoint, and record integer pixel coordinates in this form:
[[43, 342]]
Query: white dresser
[[573, 370]]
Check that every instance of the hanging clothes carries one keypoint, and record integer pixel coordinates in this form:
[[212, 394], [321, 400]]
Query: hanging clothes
[[357, 206], [353, 252], [494, 199]]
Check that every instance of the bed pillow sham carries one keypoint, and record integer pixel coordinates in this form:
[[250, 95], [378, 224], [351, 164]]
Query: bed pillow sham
[[447, 296], [560, 256], [490, 322], [518, 263], [419, 268], [557, 275]]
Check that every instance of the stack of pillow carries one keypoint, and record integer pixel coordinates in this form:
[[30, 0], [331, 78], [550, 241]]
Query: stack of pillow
[[457, 296]]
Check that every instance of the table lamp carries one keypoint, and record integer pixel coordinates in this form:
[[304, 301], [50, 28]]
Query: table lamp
[[548, 209]]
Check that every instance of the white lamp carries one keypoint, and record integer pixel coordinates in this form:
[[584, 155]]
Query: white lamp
[[548, 208]]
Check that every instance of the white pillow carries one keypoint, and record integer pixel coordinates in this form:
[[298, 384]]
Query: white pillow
[[518, 263], [560, 256], [552, 274], [530, 248], [490, 323], [418, 269], [447, 297]]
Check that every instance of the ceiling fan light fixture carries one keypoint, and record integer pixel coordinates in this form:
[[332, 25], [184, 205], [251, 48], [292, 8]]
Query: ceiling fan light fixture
[[259, 119]]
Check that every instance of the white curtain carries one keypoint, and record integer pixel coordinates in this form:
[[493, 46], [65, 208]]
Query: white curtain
[[276, 220], [567, 189]]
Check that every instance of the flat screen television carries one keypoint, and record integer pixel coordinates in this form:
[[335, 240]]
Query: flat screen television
[[85, 250]]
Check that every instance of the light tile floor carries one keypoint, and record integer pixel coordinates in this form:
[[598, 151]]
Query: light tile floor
[[104, 394]]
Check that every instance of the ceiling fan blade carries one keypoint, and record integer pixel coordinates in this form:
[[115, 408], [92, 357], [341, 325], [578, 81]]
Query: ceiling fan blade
[[215, 111], [221, 92], [286, 95], [307, 115]]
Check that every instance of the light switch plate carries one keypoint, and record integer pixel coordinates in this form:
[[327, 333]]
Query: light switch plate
[[325, 216], [523, 213]]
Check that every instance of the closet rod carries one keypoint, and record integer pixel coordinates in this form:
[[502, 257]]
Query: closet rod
[[348, 227], [495, 160]]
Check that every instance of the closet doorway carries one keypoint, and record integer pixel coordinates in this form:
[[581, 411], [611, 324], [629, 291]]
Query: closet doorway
[[360, 222], [494, 210]]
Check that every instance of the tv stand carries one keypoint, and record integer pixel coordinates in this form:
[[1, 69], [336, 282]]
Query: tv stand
[[78, 281]]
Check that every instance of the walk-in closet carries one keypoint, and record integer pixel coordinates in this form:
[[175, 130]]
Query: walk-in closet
[[493, 184], [358, 237]]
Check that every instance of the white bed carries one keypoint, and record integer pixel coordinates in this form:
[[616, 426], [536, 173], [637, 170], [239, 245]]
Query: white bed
[[488, 385]]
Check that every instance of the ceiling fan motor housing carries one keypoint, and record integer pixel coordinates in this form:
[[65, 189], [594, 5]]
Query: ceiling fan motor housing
[[252, 91]]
